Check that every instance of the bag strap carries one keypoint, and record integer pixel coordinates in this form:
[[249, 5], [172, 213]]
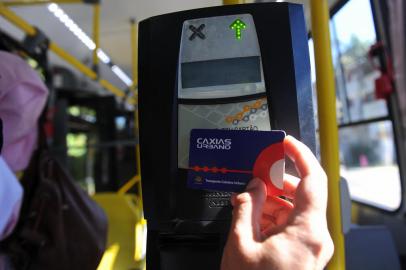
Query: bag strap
[[42, 133], [20, 244]]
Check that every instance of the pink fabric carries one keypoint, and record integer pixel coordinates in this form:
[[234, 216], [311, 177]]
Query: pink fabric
[[22, 99]]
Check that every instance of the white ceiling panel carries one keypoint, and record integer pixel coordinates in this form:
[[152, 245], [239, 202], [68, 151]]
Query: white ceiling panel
[[115, 25]]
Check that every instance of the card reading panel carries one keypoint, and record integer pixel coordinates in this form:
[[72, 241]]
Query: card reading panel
[[250, 115], [219, 58]]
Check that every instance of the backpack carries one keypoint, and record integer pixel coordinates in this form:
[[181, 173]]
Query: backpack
[[60, 226]]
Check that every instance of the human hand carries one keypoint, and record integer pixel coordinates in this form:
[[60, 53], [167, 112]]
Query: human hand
[[273, 233]]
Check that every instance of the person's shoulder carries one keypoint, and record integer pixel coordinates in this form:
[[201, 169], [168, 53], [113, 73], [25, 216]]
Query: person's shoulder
[[10, 60], [10, 66], [14, 71]]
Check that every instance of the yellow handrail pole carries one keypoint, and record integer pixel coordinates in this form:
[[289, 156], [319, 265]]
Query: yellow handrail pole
[[326, 102], [30, 30], [233, 2], [17, 21], [134, 46], [96, 35], [110, 87], [72, 60], [40, 2], [128, 185], [138, 155]]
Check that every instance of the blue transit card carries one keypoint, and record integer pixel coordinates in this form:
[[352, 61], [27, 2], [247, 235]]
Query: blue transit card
[[226, 160]]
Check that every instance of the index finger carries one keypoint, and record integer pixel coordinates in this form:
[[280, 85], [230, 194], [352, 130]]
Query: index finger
[[311, 193]]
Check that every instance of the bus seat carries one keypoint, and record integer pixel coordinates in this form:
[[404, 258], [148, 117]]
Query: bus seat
[[366, 247], [370, 248], [123, 214]]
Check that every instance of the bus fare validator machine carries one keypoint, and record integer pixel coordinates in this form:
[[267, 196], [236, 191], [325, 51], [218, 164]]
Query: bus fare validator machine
[[241, 67]]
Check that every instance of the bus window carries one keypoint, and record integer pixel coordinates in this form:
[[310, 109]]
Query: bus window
[[368, 162], [352, 33], [367, 145]]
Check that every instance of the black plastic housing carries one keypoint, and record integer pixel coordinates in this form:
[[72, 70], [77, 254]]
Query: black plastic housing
[[187, 228]]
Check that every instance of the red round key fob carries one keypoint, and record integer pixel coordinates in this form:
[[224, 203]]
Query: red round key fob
[[270, 167]]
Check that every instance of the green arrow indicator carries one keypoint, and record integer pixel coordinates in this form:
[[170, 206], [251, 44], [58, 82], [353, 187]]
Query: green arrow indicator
[[238, 25]]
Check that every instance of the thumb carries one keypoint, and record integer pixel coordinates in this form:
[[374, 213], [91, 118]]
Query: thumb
[[247, 211]]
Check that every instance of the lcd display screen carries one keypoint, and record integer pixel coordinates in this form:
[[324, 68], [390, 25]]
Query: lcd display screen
[[221, 72]]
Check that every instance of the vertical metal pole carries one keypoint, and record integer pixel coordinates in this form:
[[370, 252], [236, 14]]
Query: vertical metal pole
[[138, 156], [96, 35], [134, 50], [142, 223], [326, 100]]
